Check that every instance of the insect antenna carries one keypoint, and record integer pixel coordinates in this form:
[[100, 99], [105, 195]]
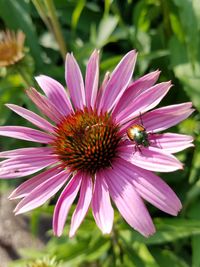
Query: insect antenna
[[141, 121], [137, 117]]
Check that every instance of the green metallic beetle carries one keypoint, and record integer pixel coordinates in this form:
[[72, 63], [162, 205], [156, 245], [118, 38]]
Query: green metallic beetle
[[137, 133]]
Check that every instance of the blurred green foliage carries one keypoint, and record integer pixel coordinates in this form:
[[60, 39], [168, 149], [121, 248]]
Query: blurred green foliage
[[167, 37]]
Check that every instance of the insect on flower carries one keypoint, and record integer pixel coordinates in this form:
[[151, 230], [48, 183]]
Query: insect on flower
[[138, 134]]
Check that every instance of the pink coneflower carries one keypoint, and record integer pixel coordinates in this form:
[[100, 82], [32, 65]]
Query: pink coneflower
[[89, 152]]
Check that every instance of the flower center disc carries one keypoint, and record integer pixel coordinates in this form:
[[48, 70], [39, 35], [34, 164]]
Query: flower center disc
[[87, 141]]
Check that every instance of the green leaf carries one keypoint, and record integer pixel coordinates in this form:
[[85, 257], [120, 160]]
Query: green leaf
[[141, 18], [168, 230], [137, 255], [131, 259], [190, 80], [77, 12], [145, 255], [195, 172], [106, 28], [193, 193], [193, 213], [190, 26], [88, 248], [10, 92], [110, 63], [196, 8], [188, 74], [195, 251], [166, 258], [176, 26]]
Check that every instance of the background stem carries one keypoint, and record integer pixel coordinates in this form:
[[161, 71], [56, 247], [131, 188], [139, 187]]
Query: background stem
[[56, 27]]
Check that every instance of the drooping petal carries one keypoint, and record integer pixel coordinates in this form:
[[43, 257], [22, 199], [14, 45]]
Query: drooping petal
[[25, 165], [150, 158], [134, 90], [74, 82], [118, 82], [42, 193], [26, 152], [101, 205], [32, 117], [162, 118], [128, 201], [25, 188], [83, 204], [171, 142], [144, 102], [25, 133], [44, 105], [150, 187], [92, 79], [56, 93], [64, 203]]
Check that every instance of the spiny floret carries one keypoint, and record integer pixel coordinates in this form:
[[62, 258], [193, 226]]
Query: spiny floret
[[87, 141]]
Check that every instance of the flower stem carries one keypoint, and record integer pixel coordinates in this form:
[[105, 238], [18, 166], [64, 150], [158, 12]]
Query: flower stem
[[23, 75], [117, 249], [42, 12], [56, 27]]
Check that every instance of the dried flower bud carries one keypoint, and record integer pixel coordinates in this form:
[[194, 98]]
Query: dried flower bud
[[11, 47]]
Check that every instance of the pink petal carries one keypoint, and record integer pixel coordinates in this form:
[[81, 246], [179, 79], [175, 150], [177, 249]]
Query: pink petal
[[26, 152], [170, 142], [102, 88], [150, 158], [64, 203], [74, 82], [150, 187], [134, 90], [92, 79], [56, 94], [129, 202], [83, 204], [163, 118], [101, 205], [118, 82], [44, 105], [25, 188], [25, 165], [42, 193], [25, 133], [144, 102], [32, 117]]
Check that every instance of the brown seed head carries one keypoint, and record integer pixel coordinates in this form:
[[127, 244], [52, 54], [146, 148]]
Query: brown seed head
[[87, 141]]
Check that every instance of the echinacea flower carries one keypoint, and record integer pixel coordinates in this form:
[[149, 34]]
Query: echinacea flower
[[11, 47], [88, 150]]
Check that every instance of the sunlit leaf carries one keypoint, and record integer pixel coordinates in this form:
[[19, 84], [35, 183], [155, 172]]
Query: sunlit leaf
[[168, 230], [106, 28]]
